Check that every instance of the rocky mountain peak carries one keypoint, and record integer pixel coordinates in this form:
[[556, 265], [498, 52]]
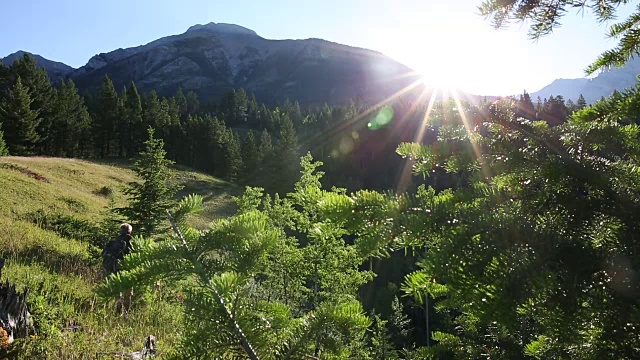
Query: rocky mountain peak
[[222, 28]]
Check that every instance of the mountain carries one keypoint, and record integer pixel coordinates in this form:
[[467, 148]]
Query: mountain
[[604, 84], [211, 59], [56, 70]]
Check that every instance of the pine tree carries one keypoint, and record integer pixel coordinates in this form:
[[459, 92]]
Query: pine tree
[[526, 109], [5, 77], [265, 148], [233, 157], [382, 346], [174, 132], [106, 118], [233, 315], [4, 151], [20, 120], [399, 324], [42, 94], [571, 106], [71, 123], [582, 103], [193, 104], [181, 103], [249, 157], [286, 154], [135, 127], [149, 199]]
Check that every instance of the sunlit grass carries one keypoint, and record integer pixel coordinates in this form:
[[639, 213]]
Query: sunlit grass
[[61, 272]]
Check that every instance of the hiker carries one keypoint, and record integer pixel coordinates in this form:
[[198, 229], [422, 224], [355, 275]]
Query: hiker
[[115, 250], [113, 253]]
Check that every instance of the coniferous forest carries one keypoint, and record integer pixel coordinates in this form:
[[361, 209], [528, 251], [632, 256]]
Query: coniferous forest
[[413, 229]]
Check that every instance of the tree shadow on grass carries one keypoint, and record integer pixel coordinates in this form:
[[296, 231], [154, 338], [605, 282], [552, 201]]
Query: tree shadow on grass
[[61, 263]]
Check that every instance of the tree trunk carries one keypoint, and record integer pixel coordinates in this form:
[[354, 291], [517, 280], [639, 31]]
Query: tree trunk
[[15, 318]]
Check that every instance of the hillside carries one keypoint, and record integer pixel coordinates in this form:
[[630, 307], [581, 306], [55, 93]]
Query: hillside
[[49, 211]]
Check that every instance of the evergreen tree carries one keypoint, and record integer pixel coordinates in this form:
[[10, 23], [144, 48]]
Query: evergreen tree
[[4, 151], [134, 126], [5, 78], [525, 107], [571, 106], [193, 104], [149, 199], [42, 94], [254, 118], [71, 124], [249, 157], [232, 155], [181, 103], [20, 120], [106, 118], [152, 111], [382, 347], [582, 103], [265, 148], [286, 154], [233, 315], [174, 132], [399, 325]]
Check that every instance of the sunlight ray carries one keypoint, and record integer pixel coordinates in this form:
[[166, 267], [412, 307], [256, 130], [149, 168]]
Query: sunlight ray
[[467, 126], [337, 128], [405, 176]]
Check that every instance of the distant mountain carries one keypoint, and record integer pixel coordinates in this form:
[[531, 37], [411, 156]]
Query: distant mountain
[[604, 84], [56, 70], [211, 59]]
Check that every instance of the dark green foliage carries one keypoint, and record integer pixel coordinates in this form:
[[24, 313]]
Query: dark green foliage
[[544, 16], [258, 293], [286, 153], [193, 104], [526, 108], [399, 325], [582, 103], [66, 226], [71, 123], [132, 128], [382, 347], [265, 149], [250, 158], [554, 111], [4, 151], [42, 94], [234, 106], [232, 154], [532, 251], [20, 121], [181, 103], [106, 118], [105, 191], [149, 199]]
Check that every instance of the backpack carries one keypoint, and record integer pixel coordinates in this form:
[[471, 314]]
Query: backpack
[[112, 253]]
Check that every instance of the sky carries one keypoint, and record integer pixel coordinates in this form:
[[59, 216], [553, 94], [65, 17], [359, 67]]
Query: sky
[[446, 41]]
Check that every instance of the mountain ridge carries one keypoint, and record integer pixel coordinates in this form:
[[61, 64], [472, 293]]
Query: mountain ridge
[[213, 58], [593, 89]]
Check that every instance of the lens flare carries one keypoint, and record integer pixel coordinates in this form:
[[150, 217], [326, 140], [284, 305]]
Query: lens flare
[[382, 118]]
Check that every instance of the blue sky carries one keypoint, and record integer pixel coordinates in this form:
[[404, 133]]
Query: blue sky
[[447, 41]]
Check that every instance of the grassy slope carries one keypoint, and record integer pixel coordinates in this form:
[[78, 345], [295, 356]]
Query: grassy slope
[[61, 271]]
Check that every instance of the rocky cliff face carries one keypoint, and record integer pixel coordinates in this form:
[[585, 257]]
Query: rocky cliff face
[[211, 59]]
